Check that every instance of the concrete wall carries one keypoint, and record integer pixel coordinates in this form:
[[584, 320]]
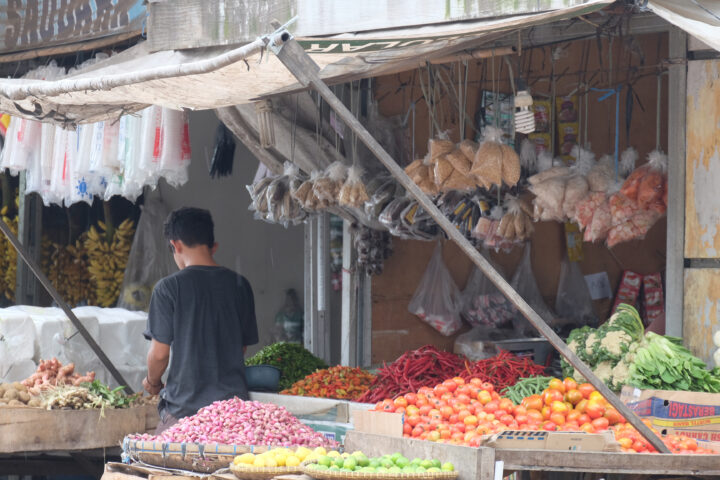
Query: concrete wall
[[270, 256]]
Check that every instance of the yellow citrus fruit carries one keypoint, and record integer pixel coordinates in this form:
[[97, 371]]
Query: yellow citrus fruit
[[320, 451], [292, 461], [258, 462], [245, 458], [333, 454], [280, 459], [302, 452], [270, 462]]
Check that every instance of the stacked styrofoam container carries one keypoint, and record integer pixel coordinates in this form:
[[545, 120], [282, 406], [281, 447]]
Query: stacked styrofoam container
[[30, 334], [17, 346]]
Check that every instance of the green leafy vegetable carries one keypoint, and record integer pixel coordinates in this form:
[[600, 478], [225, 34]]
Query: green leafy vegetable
[[114, 398], [293, 360]]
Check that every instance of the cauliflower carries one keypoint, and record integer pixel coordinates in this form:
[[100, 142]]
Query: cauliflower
[[614, 342], [603, 371], [591, 344], [620, 374]]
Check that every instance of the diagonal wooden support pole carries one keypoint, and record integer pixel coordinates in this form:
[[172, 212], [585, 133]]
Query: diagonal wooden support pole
[[299, 63], [35, 268]]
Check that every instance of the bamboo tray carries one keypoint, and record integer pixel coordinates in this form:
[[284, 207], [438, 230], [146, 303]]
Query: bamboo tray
[[201, 458], [262, 473], [334, 475]]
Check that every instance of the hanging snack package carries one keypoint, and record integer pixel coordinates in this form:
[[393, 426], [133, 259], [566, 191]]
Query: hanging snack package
[[47, 144], [22, 141], [151, 145], [482, 303], [577, 186], [459, 161], [469, 149], [380, 196], [600, 225], [111, 138], [327, 187], [586, 209], [525, 284], [573, 301], [80, 174], [600, 175], [132, 176], [653, 185], [549, 198], [437, 299], [487, 167], [442, 169], [634, 228], [302, 192], [353, 193], [516, 225], [622, 208], [438, 147]]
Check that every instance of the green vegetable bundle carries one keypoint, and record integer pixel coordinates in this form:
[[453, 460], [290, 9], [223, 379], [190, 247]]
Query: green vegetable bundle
[[619, 353], [293, 360], [526, 387], [663, 363]]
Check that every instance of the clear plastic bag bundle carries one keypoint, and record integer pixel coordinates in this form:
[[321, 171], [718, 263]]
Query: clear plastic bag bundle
[[524, 283], [483, 304], [149, 259], [437, 299], [151, 147], [130, 144], [327, 186], [21, 142], [176, 152], [573, 301], [80, 181], [353, 192]]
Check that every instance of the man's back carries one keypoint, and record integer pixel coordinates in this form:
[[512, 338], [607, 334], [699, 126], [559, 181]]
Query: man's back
[[207, 315]]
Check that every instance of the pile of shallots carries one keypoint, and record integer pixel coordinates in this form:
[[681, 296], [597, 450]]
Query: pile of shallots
[[237, 422]]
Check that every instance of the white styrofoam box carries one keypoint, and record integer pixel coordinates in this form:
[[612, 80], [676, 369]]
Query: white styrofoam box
[[17, 339], [19, 371], [121, 335]]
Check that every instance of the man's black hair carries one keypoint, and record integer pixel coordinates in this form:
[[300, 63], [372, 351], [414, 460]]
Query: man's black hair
[[192, 226]]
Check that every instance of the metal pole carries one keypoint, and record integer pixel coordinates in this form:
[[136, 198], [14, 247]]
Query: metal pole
[[35, 268], [299, 63]]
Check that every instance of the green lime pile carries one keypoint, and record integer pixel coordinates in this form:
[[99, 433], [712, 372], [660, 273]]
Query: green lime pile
[[387, 464]]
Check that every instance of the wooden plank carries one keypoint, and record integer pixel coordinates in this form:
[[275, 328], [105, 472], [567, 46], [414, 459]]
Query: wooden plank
[[702, 304], [702, 168], [35, 430], [306, 71], [600, 462], [674, 266]]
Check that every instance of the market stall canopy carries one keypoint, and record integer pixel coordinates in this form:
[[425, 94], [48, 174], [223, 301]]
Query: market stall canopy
[[216, 77], [700, 19]]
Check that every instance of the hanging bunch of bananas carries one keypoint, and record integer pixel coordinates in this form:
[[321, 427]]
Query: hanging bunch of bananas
[[67, 269], [8, 264], [108, 252]]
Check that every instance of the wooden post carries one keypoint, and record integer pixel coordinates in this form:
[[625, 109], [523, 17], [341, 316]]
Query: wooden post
[[291, 54], [350, 277], [674, 263], [30, 235]]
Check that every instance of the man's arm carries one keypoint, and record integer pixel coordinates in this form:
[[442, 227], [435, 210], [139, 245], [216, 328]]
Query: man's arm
[[157, 361]]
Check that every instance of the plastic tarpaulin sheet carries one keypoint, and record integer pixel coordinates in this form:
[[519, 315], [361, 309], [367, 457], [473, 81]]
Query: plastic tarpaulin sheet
[[699, 18], [93, 94]]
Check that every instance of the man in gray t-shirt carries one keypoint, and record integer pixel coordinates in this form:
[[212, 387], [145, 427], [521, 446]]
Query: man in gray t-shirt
[[205, 315]]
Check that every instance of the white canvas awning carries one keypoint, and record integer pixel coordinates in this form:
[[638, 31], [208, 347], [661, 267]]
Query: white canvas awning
[[212, 78], [699, 18]]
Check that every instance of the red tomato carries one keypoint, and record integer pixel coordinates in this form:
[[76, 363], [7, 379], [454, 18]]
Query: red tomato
[[488, 386], [490, 407], [559, 407], [400, 410], [600, 423], [551, 395], [440, 389], [546, 412], [462, 398], [388, 405], [557, 418], [521, 419], [462, 415], [533, 402], [595, 409], [446, 412], [464, 390], [411, 398], [639, 446], [557, 384], [506, 404], [570, 384], [574, 396], [586, 389], [459, 380], [484, 397], [587, 428], [476, 381], [549, 426], [535, 415], [424, 410], [453, 418], [449, 385], [470, 420], [400, 402], [417, 431], [407, 428], [519, 410], [573, 416], [613, 416], [413, 420], [507, 419]]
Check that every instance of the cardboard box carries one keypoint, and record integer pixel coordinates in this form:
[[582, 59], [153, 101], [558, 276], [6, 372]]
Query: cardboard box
[[694, 414], [379, 423], [542, 440]]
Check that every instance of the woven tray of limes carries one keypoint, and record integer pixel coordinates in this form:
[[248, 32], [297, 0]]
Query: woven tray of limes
[[274, 462], [334, 466]]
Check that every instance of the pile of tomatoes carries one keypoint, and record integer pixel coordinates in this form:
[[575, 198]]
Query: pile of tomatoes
[[460, 413]]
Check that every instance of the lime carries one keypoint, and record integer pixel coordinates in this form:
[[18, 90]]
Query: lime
[[436, 463], [325, 461], [395, 470], [334, 469], [448, 467], [402, 462], [420, 469], [434, 470], [395, 456], [323, 467], [368, 470], [387, 463], [416, 461], [374, 463], [339, 462], [408, 469], [350, 463], [382, 470]]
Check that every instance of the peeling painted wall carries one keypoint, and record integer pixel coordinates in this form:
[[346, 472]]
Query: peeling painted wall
[[702, 216], [702, 311]]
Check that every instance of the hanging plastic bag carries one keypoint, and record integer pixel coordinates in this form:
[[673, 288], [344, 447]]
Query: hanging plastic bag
[[577, 186], [130, 145], [573, 301], [111, 143], [437, 299], [483, 304], [327, 187], [525, 284], [149, 259], [150, 146], [176, 153], [21, 142], [80, 174]]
